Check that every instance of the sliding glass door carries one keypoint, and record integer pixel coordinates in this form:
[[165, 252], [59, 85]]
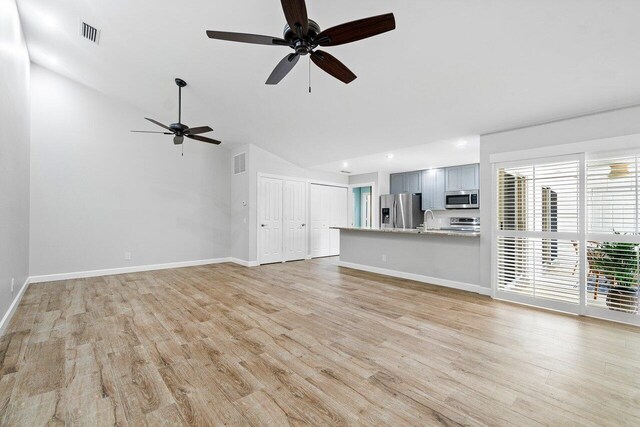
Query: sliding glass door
[[566, 234]]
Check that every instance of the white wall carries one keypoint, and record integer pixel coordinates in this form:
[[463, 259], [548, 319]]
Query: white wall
[[98, 190], [14, 155], [562, 137], [364, 178], [245, 189]]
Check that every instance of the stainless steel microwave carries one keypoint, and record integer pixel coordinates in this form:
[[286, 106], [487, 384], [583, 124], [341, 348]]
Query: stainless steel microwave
[[464, 199]]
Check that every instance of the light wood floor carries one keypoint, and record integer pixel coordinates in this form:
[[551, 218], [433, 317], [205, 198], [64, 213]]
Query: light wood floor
[[305, 343]]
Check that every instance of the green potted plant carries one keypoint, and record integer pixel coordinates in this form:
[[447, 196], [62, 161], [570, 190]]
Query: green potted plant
[[620, 264]]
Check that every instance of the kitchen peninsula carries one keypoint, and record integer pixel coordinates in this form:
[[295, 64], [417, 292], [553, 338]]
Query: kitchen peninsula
[[440, 257]]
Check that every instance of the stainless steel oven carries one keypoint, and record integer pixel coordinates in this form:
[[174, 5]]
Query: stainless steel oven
[[464, 199]]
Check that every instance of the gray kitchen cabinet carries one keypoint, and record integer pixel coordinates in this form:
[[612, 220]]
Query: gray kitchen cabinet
[[397, 183], [407, 182], [412, 182], [465, 177], [433, 189]]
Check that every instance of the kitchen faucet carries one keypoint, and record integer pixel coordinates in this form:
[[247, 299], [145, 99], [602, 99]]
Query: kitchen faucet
[[425, 217]]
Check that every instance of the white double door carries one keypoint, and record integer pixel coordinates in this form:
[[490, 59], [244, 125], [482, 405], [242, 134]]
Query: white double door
[[282, 213], [328, 209]]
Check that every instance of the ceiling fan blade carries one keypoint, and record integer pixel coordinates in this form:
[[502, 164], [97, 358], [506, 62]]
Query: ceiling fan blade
[[177, 140], [357, 30], [204, 139], [151, 131], [159, 124], [247, 38], [331, 65], [283, 68], [201, 129], [296, 13]]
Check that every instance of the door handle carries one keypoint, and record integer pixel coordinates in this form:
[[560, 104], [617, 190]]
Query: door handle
[[395, 214], [304, 225], [263, 225]]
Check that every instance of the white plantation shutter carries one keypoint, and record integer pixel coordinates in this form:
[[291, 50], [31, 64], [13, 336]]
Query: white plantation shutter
[[567, 234], [612, 195], [612, 234], [538, 231]]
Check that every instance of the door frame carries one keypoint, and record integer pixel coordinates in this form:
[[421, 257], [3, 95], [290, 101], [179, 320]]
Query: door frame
[[375, 201], [308, 183]]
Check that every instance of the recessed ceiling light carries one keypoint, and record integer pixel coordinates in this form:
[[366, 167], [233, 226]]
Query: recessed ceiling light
[[390, 156], [345, 164], [462, 142]]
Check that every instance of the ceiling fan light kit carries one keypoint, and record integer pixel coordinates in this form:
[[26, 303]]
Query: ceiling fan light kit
[[304, 36]]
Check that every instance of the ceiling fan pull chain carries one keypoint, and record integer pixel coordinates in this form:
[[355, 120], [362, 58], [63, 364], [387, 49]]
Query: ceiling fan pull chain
[[309, 74], [182, 146]]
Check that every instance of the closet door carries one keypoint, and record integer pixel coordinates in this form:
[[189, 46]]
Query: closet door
[[270, 220], [294, 220], [319, 221], [328, 209], [339, 214]]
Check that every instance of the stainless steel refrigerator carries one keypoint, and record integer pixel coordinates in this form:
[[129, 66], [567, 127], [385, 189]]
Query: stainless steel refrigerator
[[400, 211]]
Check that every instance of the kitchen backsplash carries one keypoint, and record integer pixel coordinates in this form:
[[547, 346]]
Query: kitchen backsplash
[[441, 218]]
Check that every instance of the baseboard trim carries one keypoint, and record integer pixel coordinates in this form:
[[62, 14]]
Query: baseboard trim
[[125, 270], [418, 278], [12, 308], [244, 263]]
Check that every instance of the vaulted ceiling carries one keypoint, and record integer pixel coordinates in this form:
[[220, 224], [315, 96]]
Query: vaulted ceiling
[[452, 67]]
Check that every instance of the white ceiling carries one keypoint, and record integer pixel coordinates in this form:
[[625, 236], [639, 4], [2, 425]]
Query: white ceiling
[[458, 151], [452, 67]]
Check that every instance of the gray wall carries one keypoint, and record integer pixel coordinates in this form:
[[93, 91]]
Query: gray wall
[[240, 209], [14, 156], [592, 127], [98, 190], [448, 258]]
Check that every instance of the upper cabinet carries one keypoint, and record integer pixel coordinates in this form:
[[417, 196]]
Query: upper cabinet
[[433, 189], [434, 183], [397, 183], [465, 177], [413, 182], [408, 182]]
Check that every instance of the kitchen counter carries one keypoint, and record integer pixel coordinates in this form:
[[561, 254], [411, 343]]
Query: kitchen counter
[[413, 231], [439, 257]]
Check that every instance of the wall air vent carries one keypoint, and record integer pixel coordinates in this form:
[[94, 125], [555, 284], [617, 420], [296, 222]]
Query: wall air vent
[[239, 163], [89, 32]]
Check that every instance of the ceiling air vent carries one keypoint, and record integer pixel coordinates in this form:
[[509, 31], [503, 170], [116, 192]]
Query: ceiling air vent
[[346, 172], [239, 163], [89, 32]]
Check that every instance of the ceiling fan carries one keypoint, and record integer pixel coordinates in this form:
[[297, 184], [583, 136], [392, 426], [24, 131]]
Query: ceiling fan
[[180, 130], [304, 35]]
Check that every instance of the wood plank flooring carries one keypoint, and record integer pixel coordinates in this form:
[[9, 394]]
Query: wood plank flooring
[[305, 343]]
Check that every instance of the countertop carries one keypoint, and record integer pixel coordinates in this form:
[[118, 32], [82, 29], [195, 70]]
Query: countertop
[[412, 231]]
